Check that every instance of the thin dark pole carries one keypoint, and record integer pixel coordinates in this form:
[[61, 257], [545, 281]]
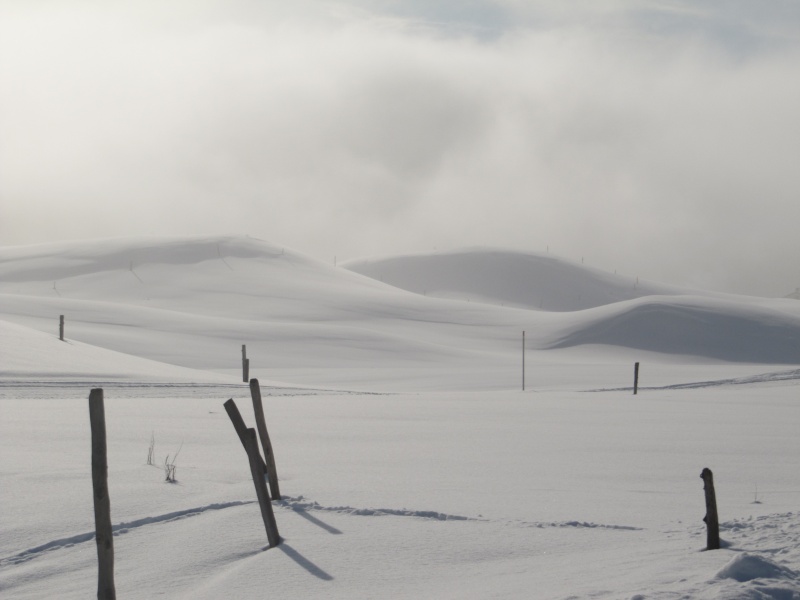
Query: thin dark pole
[[523, 361], [261, 425], [635, 378], [241, 428], [251, 445], [102, 504]]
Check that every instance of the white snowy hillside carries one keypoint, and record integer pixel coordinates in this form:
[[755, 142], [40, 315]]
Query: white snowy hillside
[[508, 278], [193, 302], [411, 463]]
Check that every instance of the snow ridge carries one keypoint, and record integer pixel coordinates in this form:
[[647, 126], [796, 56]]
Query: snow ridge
[[118, 529], [790, 375], [301, 504]]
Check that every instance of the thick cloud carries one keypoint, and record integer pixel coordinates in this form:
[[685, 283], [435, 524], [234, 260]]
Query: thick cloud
[[652, 138]]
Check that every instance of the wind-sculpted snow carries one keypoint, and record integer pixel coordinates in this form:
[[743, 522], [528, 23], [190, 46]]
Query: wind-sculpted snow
[[118, 529], [504, 277], [300, 504], [296, 504], [760, 546], [710, 328], [772, 377], [193, 302], [64, 260]]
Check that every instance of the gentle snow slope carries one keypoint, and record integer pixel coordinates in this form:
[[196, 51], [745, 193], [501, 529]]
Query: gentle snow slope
[[194, 301], [30, 356], [575, 488], [520, 279]]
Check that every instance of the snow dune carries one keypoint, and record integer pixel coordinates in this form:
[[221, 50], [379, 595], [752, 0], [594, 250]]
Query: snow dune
[[508, 278], [440, 479], [192, 302], [691, 325]]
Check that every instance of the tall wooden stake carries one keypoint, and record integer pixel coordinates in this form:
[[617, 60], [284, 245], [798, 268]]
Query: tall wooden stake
[[241, 428], [61, 327], [102, 504], [251, 445], [635, 378], [711, 518], [523, 361], [261, 424], [245, 365]]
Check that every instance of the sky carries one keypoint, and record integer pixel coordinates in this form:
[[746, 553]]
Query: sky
[[658, 139]]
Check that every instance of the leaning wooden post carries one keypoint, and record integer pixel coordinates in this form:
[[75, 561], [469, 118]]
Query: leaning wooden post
[[245, 365], [711, 518], [61, 327], [251, 445], [241, 428], [258, 409], [635, 378], [102, 504]]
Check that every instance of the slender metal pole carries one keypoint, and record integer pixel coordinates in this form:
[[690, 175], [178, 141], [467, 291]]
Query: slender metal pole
[[523, 361]]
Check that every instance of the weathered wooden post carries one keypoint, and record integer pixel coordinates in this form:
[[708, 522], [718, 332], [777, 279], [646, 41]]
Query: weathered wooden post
[[102, 504], [261, 424], [635, 378], [241, 428], [251, 445], [245, 365], [61, 327], [711, 519]]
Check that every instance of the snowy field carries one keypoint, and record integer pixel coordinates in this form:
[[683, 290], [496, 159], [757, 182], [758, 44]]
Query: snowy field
[[412, 464]]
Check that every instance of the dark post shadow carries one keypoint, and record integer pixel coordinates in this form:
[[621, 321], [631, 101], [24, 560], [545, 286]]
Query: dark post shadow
[[304, 562], [316, 521]]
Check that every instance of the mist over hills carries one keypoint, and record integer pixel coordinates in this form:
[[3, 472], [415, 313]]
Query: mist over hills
[[508, 278], [193, 301]]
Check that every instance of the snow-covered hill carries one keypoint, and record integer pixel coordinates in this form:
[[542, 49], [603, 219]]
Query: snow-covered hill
[[444, 480], [508, 278], [194, 301]]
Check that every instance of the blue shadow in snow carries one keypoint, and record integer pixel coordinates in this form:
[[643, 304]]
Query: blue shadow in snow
[[304, 562]]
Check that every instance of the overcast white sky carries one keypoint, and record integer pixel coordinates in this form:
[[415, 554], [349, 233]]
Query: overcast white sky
[[657, 138]]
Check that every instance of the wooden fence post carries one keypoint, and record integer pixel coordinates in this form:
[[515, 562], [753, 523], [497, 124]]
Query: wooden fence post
[[251, 445], [269, 456], [711, 518], [635, 378], [241, 428], [102, 504], [61, 327], [245, 365]]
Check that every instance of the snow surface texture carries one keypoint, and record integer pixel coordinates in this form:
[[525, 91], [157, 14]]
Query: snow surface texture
[[412, 466]]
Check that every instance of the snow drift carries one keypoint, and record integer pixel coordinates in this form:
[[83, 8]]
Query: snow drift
[[503, 277], [193, 301]]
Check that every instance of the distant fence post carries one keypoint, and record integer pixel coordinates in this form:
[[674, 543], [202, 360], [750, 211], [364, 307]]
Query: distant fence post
[[102, 504], [523, 361], [61, 327], [269, 456], [241, 428], [251, 445], [711, 518], [635, 378], [245, 365]]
